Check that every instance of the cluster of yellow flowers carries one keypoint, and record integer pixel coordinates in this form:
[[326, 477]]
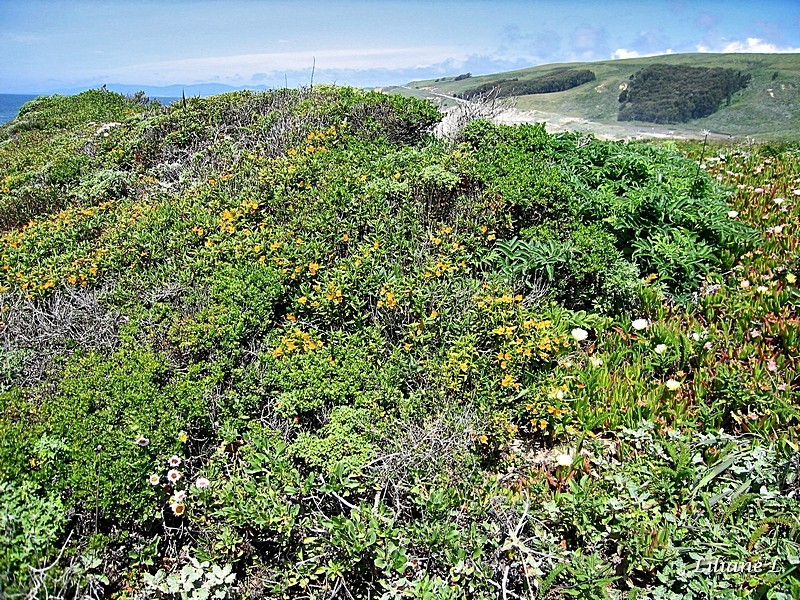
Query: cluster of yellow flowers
[[387, 299], [296, 341]]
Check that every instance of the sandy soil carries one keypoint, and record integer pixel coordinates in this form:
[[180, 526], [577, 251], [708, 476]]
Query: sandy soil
[[555, 122]]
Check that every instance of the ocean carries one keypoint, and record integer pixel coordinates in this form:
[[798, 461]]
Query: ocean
[[10, 105]]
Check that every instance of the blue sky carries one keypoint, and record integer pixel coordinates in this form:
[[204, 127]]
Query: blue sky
[[48, 45]]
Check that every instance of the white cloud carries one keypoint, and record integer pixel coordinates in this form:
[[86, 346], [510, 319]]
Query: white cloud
[[752, 44], [246, 65], [625, 53]]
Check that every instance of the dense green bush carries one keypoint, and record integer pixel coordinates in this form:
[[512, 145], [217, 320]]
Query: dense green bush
[[678, 93], [558, 81]]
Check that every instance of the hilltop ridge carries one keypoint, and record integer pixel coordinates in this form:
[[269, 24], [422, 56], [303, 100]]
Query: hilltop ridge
[[768, 108]]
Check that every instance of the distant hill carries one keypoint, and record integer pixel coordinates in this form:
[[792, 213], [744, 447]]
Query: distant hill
[[768, 108]]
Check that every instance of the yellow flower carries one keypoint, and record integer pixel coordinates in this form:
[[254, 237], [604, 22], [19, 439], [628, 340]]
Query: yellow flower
[[790, 278], [508, 380], [313, 268]]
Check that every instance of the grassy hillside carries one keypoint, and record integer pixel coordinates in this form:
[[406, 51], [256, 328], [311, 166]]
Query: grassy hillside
[[769, 108], [291, 345]]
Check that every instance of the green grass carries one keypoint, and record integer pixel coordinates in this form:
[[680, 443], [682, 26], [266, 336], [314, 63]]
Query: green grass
[[771, 97], [292, 345]]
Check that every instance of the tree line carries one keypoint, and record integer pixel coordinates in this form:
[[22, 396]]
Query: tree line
[[554, 82]]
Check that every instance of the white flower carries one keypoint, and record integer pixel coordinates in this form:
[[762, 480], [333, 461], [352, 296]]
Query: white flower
[[673, 385], [580, 334], [733, 214], [174, 460], [142, 441], [564, 460], [640, 324], [202, 483], [761, 289], [779, 201], [596, 362], [179, 496], [178, 508], [744, 284], [696, 336], [174, 475], [154, 479], [661, 348], [796, 192]]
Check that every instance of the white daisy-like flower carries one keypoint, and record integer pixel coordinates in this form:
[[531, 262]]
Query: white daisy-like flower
[[564, 460], [174, 475], [672, 384], [174, 460], [640, 324], [580, 334], [733, 214], [202, 483], [142, 441], [596, 362], [178, 508], [154, 479], [779, 201], [661, 348], [179, 496]]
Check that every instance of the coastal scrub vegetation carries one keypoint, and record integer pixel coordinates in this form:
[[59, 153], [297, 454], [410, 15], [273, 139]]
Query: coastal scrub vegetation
[[558, 81], [678, 93], [292, 345]]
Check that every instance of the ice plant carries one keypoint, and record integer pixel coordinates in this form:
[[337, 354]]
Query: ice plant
[[661, 348], [142, 441], [640, 324], [202, 483], [178, 509], [154, 479], [174, 460], [173, 475], [672, 384]]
